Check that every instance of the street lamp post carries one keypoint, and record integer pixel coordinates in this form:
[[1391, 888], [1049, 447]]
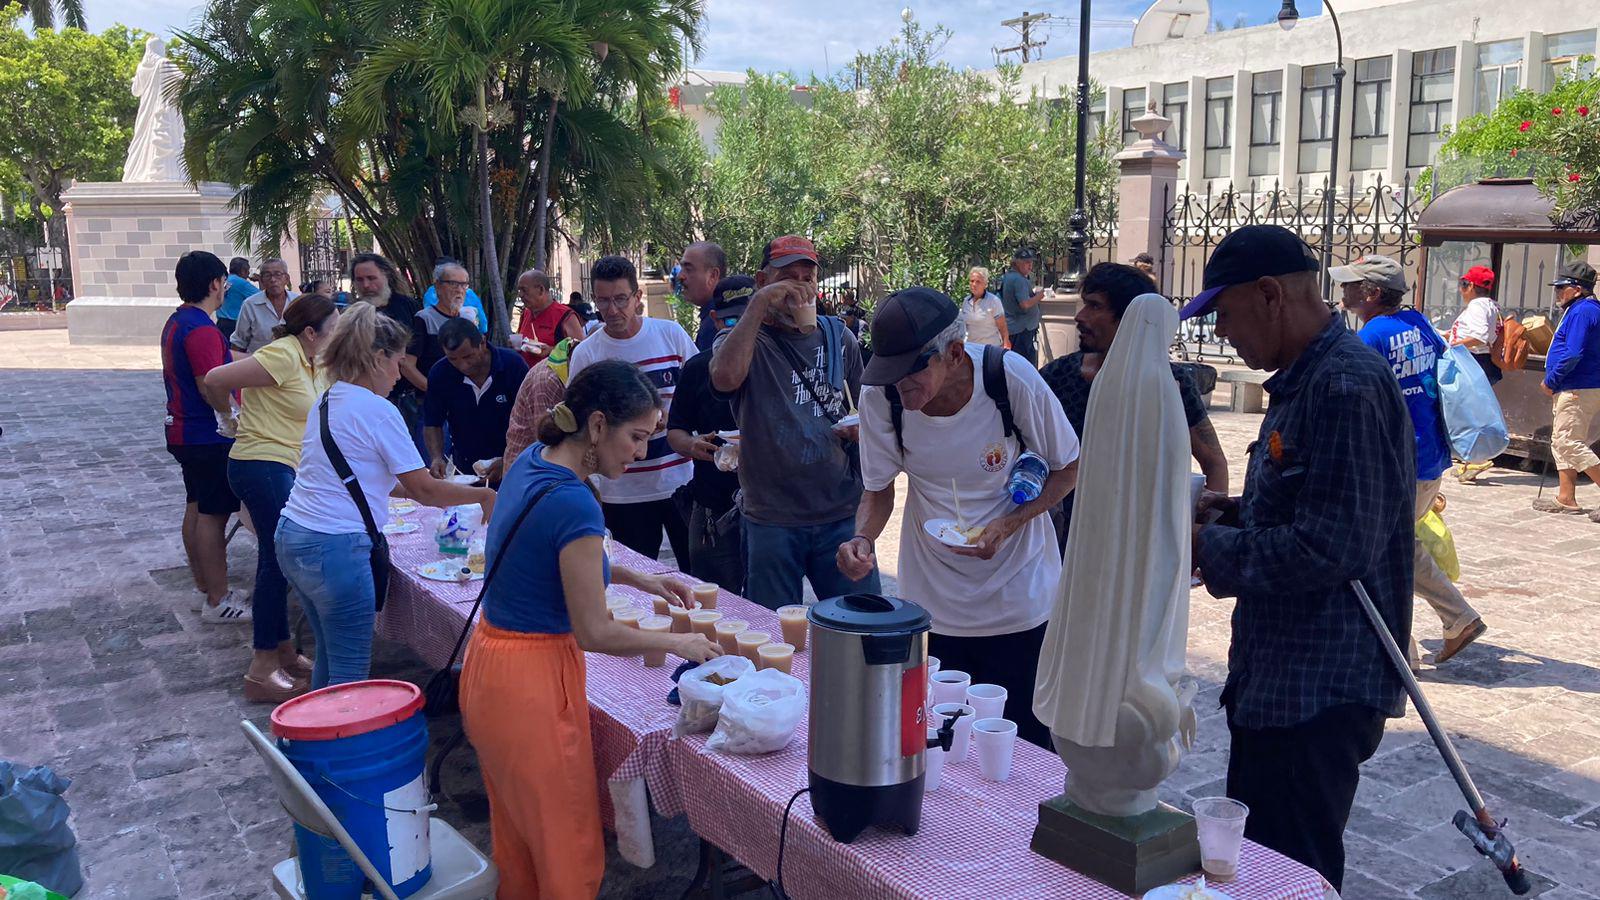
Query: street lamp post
[[1287, 17], [1078, 235]]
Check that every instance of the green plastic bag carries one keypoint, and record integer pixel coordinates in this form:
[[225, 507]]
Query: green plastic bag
[[1441, 545]]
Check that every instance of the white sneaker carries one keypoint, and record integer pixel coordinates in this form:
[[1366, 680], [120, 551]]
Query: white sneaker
[[232, 610]]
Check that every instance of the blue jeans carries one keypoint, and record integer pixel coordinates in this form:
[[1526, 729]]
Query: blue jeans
[[780, 555], [333, 574], [263, 488]]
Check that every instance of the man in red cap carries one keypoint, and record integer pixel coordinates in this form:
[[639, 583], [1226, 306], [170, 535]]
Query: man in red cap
[[791, 376]]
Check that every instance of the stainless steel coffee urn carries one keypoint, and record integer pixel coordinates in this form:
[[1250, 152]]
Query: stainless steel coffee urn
[[868, 729]]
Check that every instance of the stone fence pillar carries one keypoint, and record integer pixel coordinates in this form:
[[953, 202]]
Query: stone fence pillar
[[1147, 184]]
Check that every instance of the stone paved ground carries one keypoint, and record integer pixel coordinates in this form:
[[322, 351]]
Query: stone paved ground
[[106, 674]]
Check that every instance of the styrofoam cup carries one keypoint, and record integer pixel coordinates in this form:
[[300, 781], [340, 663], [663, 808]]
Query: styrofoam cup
[[996, 740], [963, 731], [950, 686], [933, 765], [988, 701]]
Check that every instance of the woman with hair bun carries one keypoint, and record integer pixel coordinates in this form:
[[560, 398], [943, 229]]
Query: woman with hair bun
[[279, 383], [523, 695]]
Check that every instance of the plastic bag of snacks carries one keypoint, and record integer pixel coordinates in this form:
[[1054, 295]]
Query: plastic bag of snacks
[[759, 713], [701, 690]]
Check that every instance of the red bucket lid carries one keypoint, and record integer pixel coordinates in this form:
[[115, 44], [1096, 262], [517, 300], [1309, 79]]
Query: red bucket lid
[[346, 710]]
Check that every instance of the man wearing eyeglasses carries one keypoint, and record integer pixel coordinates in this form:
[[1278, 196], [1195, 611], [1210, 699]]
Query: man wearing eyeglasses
[[451, 283], [639, 504], [787, 372], [698, 416], [263, 310]]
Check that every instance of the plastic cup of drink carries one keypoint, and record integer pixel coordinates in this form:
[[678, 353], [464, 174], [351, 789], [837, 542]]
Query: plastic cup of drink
[[933, 666], [680, 619], [1220, 822], [658, 625], [751, 641], [660, 605], [630, 616], [614, 603], [950, 686], [775, 656], [933, 765], [792, 620], [727, 631], [704, 622], [963, 732], [988, 701], [706, 593], [996, 740]]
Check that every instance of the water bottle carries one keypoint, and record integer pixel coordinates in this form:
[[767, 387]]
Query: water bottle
[[1027, 478]]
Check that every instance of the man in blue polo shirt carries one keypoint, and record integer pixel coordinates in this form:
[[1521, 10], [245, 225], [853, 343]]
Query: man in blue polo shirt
[[1374, 288], [473, 388], [240, 287]]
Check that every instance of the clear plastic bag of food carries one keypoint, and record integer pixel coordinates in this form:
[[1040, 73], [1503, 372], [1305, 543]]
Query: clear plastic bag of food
[[701, 689], [759, 713]]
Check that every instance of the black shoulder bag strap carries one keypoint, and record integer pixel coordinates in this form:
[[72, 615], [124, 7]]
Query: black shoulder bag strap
[[804, 373], [379, 557], [441, 697]]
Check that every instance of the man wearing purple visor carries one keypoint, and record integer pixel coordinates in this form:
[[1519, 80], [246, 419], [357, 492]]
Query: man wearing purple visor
[[1327, 499]]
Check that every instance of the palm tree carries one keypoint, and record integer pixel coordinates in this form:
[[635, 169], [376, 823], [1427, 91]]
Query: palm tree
[[43, 13]]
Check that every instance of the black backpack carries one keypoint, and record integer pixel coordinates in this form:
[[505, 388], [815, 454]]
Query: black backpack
[[994, 384]]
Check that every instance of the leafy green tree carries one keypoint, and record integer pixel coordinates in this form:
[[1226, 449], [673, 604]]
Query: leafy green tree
[[66, 109], [43, 13], [409, 113]]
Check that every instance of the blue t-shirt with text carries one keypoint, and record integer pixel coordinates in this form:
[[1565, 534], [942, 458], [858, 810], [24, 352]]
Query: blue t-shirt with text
[[1412, 347], [526, 595]]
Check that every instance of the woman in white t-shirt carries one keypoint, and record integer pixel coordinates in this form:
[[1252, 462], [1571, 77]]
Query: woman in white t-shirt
[[1478, 326], [985, 317], [324, 549]]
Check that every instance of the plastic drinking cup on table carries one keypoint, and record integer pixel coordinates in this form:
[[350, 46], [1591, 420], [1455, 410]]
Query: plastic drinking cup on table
[[727, 631], [792, 621], [680, 619], [988, 701], [748, 642], [775, 656], [705, 593], [996, 740], [630, 616], [704, 623], [963, 730], [659, 605], [950, 686], [933, 765], [1220, 821], [659, 625]]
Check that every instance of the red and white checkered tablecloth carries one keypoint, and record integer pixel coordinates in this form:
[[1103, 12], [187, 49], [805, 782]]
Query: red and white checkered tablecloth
[[974, 836]]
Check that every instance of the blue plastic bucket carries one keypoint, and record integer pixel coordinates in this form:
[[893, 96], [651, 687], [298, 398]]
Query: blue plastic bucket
[[363, 748]]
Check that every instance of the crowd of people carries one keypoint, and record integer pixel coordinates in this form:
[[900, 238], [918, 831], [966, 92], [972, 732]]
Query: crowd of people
[[767, 448]]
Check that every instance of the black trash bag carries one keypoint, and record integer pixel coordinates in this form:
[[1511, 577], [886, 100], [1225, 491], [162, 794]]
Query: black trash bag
[[36, 843]]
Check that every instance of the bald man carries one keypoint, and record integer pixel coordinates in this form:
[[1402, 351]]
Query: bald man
[[544, 321]]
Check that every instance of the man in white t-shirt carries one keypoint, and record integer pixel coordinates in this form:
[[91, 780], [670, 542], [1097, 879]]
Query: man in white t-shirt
[[990, 600], [639, 504]]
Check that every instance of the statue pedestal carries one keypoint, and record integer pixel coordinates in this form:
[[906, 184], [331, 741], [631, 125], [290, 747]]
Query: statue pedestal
[[126, 238], [1132, 854]]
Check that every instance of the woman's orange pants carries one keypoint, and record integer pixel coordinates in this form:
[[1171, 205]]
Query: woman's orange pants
[[527, 714]]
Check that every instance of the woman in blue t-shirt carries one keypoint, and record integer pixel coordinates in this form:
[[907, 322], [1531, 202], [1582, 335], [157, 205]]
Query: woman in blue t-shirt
[[523, 697]]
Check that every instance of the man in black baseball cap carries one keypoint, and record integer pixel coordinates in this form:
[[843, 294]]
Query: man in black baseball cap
[[1328, 500], [955, 417], [1572, 377]]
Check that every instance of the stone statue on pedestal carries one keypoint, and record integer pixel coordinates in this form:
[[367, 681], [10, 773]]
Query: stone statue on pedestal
[[1110, 673], [156, 152]]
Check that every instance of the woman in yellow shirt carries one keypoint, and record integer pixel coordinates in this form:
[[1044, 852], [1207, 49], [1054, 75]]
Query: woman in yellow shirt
[[280, 385]]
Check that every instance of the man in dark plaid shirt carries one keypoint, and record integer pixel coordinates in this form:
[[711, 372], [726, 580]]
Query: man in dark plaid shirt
[[1327, 499]]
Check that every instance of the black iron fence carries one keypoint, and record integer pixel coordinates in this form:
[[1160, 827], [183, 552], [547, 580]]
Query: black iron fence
[[1376, 218]]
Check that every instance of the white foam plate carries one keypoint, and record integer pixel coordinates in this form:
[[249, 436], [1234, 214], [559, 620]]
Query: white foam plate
[[1173, 891], [944, 531], [847, 421], [402, 507], [446, 570], [400, 527], [467, 479]]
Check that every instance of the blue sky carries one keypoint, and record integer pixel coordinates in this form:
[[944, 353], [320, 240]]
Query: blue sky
[[817, 34]]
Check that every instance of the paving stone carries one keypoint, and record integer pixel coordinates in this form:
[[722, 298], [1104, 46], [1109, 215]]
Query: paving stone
[[129, 865], [1480, 881], [163, 756]]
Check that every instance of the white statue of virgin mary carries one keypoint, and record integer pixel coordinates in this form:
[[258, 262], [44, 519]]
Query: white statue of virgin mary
[[1109, 673], [156, 153]]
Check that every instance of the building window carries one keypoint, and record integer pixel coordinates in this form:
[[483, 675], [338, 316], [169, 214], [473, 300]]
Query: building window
[[1218, 125], [1175, 106], [1097, 114], [1570, 54], [1499, 73], [1266, 109], [1132, 108], [1432, 84], [1373, 77], [1316, 103]]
